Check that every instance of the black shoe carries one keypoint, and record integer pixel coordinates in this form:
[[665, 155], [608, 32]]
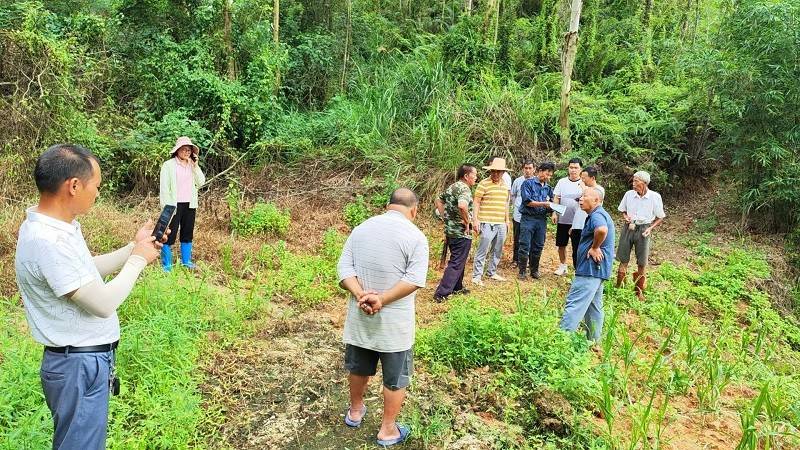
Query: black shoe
[[439, 298], [522, 277], [536, 275], [464, 291]]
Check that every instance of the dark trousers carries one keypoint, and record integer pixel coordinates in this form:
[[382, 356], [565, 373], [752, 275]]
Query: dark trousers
[[533, 231], [575, 239], [182, 221], [517, 232], [453, 278]]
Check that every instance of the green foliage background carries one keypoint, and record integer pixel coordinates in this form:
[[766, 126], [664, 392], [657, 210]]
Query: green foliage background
[[410, 88]]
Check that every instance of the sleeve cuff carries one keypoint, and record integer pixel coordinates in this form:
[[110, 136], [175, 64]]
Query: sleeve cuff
[[343, 275]]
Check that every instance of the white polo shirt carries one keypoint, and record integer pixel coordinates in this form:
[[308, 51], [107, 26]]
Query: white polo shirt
[[580, 215], [507, 180], [642, 209], [52, 260], [568, 193]]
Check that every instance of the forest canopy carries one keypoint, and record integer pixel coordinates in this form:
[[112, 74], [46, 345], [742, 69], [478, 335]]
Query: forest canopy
[[682, 88]]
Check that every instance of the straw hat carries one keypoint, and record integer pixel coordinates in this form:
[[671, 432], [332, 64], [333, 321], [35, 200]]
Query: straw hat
[[184, 141], [497, 164]]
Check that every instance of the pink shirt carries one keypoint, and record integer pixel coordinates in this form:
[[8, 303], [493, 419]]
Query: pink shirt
[[185, 181]]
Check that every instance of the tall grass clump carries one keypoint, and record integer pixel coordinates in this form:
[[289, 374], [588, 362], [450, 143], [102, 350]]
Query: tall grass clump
[[526, 346], [304, 279]]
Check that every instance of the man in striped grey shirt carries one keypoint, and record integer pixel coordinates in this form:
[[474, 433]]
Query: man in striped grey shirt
[[383, 263]]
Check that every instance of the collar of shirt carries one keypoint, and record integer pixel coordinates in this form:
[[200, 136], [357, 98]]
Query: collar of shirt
[[646, 194], [36, 216], [396, 213]]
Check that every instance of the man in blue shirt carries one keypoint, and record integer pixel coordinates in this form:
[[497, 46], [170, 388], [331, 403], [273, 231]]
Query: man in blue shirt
[[535, 208], [595, 256]]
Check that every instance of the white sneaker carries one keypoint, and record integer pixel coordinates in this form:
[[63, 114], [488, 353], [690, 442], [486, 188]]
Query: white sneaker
[[562, 270], [477, 282], [497, 277]]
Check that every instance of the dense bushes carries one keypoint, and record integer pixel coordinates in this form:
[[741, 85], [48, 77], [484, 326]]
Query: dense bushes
[[408, 88]]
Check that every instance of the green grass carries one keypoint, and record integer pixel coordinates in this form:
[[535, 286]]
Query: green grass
[[164, 342]]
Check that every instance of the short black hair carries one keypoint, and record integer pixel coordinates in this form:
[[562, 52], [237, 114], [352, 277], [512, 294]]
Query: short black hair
[[591, 171], [576, 161], [547, 165], [61, 162], [463, 170], [404, 197], [528, 162]]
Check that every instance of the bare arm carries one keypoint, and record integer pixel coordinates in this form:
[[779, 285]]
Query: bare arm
[[649, 229], [371, 303], [600, 234], [352, 285], [439, 207]]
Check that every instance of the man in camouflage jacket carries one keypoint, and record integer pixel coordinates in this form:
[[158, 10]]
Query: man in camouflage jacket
[[455, 207]]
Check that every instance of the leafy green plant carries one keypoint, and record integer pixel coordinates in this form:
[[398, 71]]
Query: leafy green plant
[[356, 212], [263, 218], [471, 336]]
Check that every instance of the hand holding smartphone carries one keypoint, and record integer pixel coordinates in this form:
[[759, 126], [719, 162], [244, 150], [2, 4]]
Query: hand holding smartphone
[[163, 222]]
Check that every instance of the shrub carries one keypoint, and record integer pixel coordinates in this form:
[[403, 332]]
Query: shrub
[[525, 345], [262, 218], [356, 212]]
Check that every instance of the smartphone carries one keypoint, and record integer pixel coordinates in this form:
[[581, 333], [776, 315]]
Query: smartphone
[[163, 221]]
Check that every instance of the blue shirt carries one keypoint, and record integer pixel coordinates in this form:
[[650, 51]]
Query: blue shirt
[[534, 190], [587, 267]]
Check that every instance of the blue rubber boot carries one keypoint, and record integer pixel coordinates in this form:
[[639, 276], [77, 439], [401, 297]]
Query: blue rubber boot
[[166, 258], [186, 255]]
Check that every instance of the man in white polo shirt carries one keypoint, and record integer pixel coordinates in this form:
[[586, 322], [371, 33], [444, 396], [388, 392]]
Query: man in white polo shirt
[[70, 309], [567, 192], [642, 210], [383, 263]]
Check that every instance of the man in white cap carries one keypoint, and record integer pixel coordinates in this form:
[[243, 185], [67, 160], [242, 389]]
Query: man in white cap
[[643, 210], [491, 220]]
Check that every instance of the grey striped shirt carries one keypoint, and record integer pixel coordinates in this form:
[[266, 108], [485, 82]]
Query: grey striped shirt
[[382, 251]]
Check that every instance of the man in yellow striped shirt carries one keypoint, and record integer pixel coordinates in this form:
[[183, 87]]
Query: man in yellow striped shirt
[[491, 220]]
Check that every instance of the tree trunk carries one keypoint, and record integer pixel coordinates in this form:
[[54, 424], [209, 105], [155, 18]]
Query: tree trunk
[[226, 14], [567, 63], [468, 7], [648, 8], [276, 27], [347, 38]]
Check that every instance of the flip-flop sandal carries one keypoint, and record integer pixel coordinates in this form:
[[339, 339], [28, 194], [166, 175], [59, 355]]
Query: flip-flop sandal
[[354, 423], [404, 433]]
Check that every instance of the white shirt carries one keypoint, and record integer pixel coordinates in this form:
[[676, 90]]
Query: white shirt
[[381, 251], [568, 192], [581, 215], [51, 261], [516, 197], [507, 180], [642, 209]]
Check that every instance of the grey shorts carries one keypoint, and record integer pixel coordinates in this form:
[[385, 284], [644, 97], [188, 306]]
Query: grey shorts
[[397, 366], [633, 240]]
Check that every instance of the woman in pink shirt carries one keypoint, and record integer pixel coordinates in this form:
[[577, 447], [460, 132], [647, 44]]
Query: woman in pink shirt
[[181, 177]]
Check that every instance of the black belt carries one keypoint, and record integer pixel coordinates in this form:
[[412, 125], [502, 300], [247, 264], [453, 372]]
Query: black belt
[[87, 349]]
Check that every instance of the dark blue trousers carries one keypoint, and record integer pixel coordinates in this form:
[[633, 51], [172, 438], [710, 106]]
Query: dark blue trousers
[[453, 278], [533, 231], [76, 388]]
